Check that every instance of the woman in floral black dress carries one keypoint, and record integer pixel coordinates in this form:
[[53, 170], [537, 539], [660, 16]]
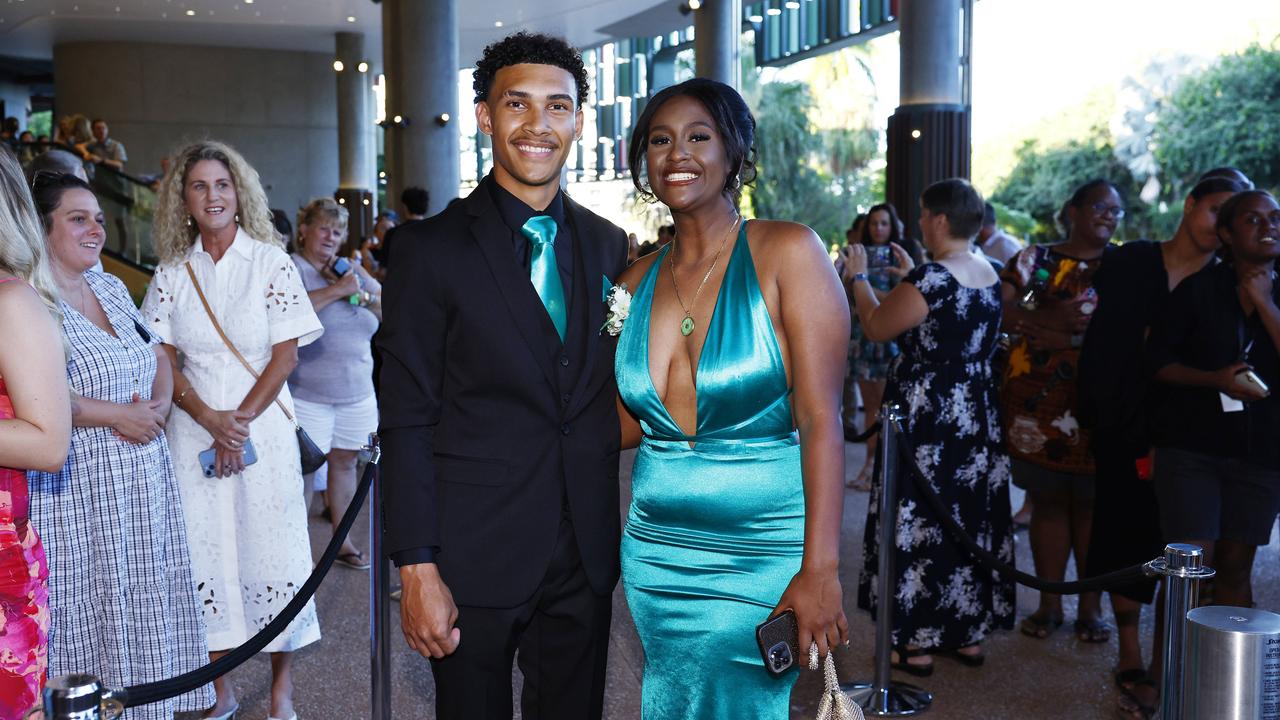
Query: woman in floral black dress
[[948, 314]]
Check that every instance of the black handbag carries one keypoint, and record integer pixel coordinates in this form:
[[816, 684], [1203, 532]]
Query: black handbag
[[309, 455]]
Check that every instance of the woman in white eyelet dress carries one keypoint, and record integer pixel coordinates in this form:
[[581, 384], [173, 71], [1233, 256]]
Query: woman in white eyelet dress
[[247, 526]]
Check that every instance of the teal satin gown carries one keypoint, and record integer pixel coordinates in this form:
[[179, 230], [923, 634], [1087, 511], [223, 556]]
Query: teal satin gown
[[715, 532]]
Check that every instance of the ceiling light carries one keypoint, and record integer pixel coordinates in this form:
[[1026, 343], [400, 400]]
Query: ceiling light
[[915, 134], [792, 5], [695, 4], [773, 11], [248, 2], [363, 66], [366, 201], [338, 66], [442, 119], [191, 13], [497, 23], [399, 119], [756, 18], [351, 18]]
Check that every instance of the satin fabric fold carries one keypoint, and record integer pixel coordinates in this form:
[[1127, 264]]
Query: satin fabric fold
[[715, 531]]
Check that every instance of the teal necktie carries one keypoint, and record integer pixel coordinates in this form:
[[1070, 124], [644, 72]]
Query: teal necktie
[[543, 271]]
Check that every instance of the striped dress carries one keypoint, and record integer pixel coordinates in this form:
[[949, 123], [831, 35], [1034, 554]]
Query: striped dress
[[122, 601]]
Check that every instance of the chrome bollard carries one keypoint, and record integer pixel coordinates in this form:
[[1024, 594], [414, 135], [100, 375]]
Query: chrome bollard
[[79, 697], [1183, 568], [379, 597], [883, 697], [1232, 664]]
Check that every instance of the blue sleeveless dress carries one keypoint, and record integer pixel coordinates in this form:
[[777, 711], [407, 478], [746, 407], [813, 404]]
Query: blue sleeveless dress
[[715, 532]]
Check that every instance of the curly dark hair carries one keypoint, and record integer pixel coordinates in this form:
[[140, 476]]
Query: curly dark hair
[[734, 123], [533, 48]]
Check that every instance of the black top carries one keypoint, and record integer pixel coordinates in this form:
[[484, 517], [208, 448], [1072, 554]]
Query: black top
[[1204, 327], [489, 424], [515, 213], [1115, 387]]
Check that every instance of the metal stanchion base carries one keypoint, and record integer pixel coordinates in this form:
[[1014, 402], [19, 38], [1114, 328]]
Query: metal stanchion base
[[898, 700]]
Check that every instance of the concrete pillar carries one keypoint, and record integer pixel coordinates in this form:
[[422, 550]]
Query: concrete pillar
[[929, 42], [392, 72], [355, 116], [717, 28], [425, 49], [928, 137]]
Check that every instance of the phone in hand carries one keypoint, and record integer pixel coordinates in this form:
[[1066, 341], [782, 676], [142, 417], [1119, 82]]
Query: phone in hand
[[879, 256], [208, 458], [341, 266], [1248, 378], [779, 640]]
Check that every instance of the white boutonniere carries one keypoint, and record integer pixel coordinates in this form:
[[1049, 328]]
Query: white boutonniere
[[618, 301]]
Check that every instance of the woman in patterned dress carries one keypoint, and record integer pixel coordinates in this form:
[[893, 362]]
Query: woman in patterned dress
[[122, 602], [947, 313], [1048, 302], [249, 546], [35, 427]]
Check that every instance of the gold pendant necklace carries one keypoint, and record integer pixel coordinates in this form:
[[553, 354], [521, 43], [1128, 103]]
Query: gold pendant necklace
[[687, 324]]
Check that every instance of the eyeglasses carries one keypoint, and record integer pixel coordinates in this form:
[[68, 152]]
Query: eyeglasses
[[1104, 210]]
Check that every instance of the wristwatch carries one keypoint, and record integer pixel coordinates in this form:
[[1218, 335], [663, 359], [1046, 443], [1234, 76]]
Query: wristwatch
[[858, 276]]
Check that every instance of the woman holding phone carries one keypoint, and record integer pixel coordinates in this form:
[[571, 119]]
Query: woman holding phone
[[333, 384], [225, 282], [887, 263], [1217, 464]]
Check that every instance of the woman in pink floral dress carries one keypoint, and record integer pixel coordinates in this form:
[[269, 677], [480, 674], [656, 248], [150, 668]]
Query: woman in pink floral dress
[[35, 432]]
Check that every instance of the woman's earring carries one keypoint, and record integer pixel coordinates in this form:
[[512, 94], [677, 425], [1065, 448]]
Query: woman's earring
[[190, 222], [237, 217]]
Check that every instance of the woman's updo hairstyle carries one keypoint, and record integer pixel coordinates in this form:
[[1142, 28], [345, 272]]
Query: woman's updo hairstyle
[[47, 189], [734, 123]]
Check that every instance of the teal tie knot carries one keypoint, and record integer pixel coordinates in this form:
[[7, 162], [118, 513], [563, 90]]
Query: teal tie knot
[[544, 273]]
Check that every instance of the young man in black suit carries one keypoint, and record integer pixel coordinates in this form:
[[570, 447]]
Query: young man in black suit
[[499, 425]]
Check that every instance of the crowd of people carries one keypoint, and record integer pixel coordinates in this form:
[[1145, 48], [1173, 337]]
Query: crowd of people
[[153, 505], [1101, 355]]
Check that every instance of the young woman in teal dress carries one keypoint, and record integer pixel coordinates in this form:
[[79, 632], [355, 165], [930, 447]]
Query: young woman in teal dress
[[729, 369]]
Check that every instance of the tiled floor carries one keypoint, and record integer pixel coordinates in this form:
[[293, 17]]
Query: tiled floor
[[1054, 679]]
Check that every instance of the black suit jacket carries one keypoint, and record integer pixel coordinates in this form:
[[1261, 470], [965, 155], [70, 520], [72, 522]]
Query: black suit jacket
[[486, 440]]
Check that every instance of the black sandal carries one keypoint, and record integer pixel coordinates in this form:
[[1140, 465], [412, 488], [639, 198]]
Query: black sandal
[[965, 659], [1131, 708], [1039, 626], [1126, 679], [905, 654]]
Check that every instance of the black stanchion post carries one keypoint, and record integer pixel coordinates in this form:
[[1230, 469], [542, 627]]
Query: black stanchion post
[[379, 598], [882, 697], [1183, 568]]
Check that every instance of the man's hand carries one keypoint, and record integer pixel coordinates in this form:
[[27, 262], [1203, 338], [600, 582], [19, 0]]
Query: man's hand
[[427, 612]]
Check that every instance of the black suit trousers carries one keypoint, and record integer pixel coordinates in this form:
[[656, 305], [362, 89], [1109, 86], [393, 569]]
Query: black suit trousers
[[562, 634]]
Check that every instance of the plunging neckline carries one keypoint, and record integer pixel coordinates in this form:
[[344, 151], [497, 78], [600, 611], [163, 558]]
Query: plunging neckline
[[702, 352]]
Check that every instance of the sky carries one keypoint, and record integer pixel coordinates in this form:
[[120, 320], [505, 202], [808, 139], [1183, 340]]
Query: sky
[[1036, 60]]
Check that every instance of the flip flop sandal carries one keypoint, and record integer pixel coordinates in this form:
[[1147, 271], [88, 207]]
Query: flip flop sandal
[[910, 668], [354, 560], [1092, 631], [1129, 707], [1039, 627]]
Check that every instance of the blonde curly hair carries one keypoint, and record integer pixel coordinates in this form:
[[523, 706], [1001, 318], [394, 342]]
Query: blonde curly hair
[[173, 235], [22, 244]]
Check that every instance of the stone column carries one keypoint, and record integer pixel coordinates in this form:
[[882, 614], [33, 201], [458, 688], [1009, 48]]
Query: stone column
[[929, 134], [355, 116], [392, 70], [423, 55], [717, 27]]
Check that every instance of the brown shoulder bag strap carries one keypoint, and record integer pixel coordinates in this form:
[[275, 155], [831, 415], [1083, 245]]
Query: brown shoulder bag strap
[[209, 311]]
